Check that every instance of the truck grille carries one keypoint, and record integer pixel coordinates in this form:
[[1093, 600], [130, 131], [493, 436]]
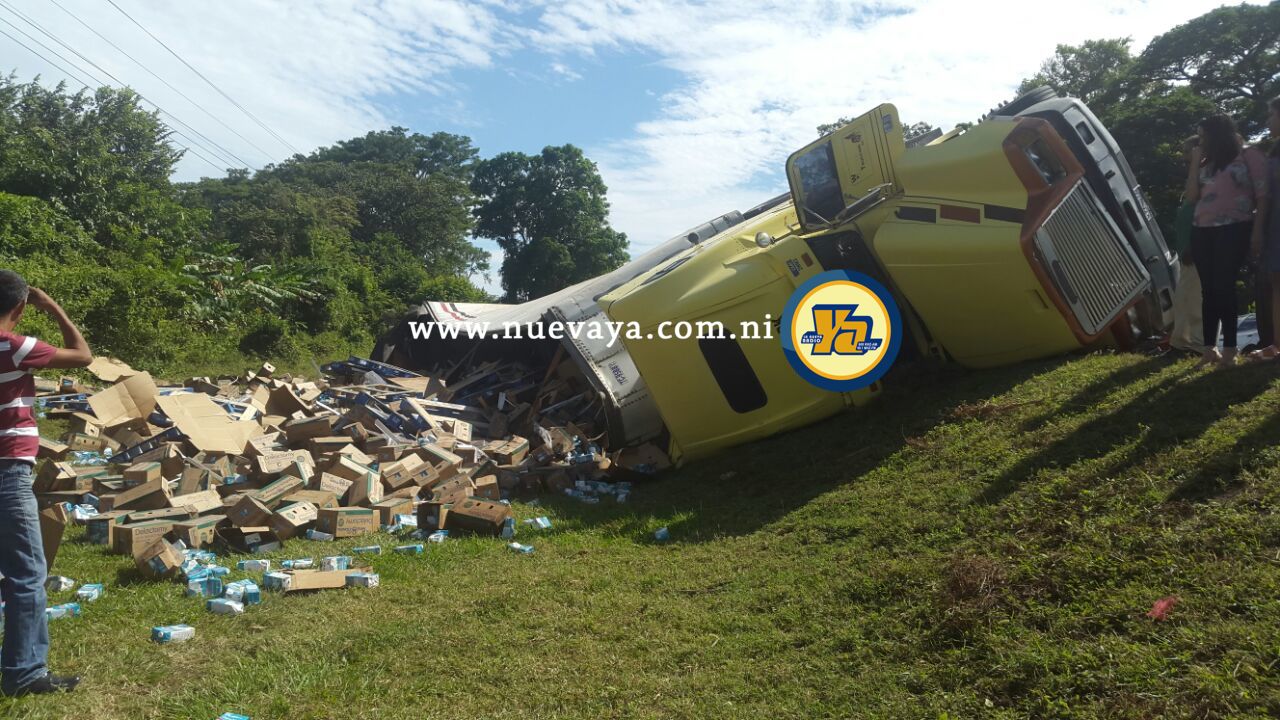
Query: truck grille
[[1088, 258]]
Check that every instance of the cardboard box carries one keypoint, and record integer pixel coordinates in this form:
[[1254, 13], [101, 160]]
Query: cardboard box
[[85, 424], [316, 579], [206, 425], [264, 444], [289, 521], [274, 462], [98, 530], [142, 472], [477, 516], [457, 489], [365, 491], [330, 483], [203, 502], [302, 471], [53, 522], [389, 508], [174, 513], [249, 539], [272, 494], [400, 473], [51, 473], [193, 480], [152, 495], [199, 532], [51, 449], [298, 432], [159, 559], [132, 539], [131, 398], [446, 463], [510, 452], [328, 444], [347, 521], [283, 401], [433, 515], [322, 499], [487, 487], [80, 441], [249, 511]]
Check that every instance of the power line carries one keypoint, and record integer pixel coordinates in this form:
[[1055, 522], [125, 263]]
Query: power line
[[232, 100], [166, 82], [224, 154], [87, 85]]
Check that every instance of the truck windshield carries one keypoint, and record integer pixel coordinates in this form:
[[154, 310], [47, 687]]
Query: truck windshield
[[820, 195]]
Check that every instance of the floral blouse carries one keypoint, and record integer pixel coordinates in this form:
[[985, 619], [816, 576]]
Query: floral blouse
[[1230, 195]]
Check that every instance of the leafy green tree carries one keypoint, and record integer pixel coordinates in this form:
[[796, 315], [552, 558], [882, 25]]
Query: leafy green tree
[[1095, 71], [439, 153], [98, 156], [549, 214], [1230, 55]]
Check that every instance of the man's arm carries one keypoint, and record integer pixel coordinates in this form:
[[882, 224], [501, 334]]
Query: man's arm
[[75, 352]]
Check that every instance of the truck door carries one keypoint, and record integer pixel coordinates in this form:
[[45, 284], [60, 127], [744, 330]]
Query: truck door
[[828, 175]]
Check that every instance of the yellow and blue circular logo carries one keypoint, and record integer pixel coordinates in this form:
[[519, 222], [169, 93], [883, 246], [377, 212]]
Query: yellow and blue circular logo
[[841, 330]]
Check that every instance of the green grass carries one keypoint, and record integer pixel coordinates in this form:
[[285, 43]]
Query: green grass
[[973, 545]]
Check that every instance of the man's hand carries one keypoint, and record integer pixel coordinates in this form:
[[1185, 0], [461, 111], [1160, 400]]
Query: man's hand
[[40, 300]]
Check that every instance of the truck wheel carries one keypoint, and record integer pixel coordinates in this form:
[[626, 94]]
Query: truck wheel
[[1026, 100]]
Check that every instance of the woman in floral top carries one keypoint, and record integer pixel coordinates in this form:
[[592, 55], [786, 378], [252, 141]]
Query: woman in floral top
[[1266, 235], [1227, 182]]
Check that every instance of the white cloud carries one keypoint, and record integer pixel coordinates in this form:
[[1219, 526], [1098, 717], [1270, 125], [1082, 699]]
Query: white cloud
[[308, 70], [757, 76], [760, 76]]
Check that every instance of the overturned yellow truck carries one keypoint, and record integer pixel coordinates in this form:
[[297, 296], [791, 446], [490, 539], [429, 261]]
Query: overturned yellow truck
[[1023, 236]]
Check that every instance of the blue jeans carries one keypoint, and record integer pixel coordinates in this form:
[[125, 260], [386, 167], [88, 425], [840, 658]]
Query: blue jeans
[[26, 631]]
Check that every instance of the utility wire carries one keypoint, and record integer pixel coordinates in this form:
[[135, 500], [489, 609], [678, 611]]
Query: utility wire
[[142, 65], [232, 100], [88, 86], [222, 152]]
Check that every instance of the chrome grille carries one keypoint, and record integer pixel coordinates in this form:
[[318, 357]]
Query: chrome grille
[[1090, 261]]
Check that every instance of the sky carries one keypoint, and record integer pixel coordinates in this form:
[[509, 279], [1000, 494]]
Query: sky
[[689, 109]]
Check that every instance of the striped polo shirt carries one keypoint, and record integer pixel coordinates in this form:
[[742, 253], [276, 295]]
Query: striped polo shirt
[[19, 436]]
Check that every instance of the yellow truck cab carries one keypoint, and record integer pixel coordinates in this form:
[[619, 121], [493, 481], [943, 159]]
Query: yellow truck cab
[[996, 243]]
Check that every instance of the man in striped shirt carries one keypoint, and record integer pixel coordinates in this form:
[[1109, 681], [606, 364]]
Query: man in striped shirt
[[25, 651]]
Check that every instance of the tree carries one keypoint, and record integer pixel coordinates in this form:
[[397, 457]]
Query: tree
[[98, 156], [1095, 71], [549, 214], [438, 153], [1230, 55]]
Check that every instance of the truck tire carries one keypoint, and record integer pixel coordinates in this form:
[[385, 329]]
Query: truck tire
[[1026, 100]]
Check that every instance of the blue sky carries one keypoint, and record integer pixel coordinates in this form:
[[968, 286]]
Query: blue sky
[[688, 108]]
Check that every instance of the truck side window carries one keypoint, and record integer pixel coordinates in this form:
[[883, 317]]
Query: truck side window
[[819, 184], [1085, 133], [733, 373]]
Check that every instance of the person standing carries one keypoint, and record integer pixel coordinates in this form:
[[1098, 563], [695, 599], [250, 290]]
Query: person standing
[[1226, 181], [25, 652], [1266, 235], [1186, 333]]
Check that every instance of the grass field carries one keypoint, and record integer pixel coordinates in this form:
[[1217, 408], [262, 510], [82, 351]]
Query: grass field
[[974, 545]]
